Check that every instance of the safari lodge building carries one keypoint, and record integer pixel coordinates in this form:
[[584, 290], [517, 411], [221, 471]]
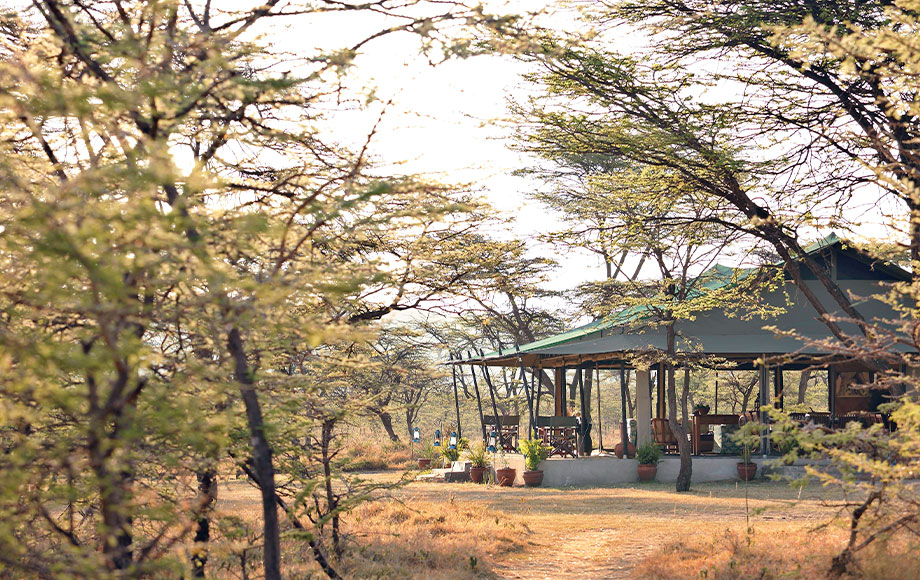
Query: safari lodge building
[[735, 343]]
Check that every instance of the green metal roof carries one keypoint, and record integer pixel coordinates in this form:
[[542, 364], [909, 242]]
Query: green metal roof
[[717, 277]]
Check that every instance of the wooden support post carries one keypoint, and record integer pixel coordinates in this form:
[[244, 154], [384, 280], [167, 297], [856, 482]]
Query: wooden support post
[[778, 387], [482, 421], [662, 402], [764, 399], [453, 369], [559, 393], [585, 426], [536, 406], [643, 407], [832, 391], [531, 426], [600, 424], [624, 436], [716, 405], [498, 427]]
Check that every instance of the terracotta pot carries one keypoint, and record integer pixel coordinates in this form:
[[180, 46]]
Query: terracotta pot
[[647, 472], [746, 471], [505, 476], [476, 474], [424, 464], [533, 478], [630, 450]]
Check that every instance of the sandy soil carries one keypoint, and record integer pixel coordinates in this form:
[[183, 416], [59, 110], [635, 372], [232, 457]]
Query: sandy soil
[[595, 533], [603, 532]]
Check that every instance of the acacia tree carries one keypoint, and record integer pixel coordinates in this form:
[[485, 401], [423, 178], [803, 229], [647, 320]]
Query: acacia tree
[[831, 81], [173, 223], [816, 119], [682, 255]]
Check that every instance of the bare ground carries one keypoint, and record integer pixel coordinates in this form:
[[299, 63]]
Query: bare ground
[[595, 533], [604, 532]]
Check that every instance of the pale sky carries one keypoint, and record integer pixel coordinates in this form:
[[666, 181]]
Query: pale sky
[[446, 121]]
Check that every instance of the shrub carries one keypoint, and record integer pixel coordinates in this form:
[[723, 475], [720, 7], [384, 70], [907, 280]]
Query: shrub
[[648, 453], [450, 455], [477, 454], [429, 451], [534, 451], [375, 455]]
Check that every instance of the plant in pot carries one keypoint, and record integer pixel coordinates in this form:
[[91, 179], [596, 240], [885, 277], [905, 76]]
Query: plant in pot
[[479, 461], [748, 438], [701, 409], [427, 454], [534, 452], [648, 454], [449, 455], [504, 475]]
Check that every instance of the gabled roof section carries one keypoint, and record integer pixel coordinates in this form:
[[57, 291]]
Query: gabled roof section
[[717, 277], [626, 321]]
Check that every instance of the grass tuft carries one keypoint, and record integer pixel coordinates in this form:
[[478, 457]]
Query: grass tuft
[[425, 539]]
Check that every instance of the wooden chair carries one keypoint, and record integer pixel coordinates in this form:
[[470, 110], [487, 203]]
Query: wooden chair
[[506, 427], [560, 434], [664, 437]]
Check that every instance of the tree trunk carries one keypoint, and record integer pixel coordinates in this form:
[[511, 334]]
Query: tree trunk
[[114, 485], [332, 498], [680, 431], [261, 456], [207, 493], [630, 400], [387, 421], [803, 385], [589, 383]]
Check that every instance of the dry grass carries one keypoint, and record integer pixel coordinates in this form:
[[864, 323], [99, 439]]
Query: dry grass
[[428, 530], [775, 555], [376, 455], [737, 555], [427, 539]]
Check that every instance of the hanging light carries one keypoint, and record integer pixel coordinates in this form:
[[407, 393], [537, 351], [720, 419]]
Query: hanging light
[[492, 440], [416, 435], [452, 441], [437, 437]]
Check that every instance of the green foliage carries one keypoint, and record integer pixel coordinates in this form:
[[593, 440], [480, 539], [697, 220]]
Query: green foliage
[[876, 468], [449, 455], [648, 453], [191, 265], [429, 451], [535, 451], [477, 454], [748, 438]]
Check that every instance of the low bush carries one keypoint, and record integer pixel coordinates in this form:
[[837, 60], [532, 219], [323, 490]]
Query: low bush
[[423, 539], [739, 556], [649, 453], [375, 455], [736, 556]]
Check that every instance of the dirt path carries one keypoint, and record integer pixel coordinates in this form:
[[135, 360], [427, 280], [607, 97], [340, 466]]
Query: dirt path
[[598, 553], [604, 533]]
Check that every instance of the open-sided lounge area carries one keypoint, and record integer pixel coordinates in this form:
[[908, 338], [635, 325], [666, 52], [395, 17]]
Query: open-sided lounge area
[[593, 361]]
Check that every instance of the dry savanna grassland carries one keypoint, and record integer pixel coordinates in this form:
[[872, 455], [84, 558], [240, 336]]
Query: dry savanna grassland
[[464, 530]]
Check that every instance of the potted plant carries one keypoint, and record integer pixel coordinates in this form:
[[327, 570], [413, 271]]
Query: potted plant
[[449, 455], [479, 461], [630, 450], [648, 454], [701, 409], [534, 452], [504, 475], [428, 454], [748, 436]]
